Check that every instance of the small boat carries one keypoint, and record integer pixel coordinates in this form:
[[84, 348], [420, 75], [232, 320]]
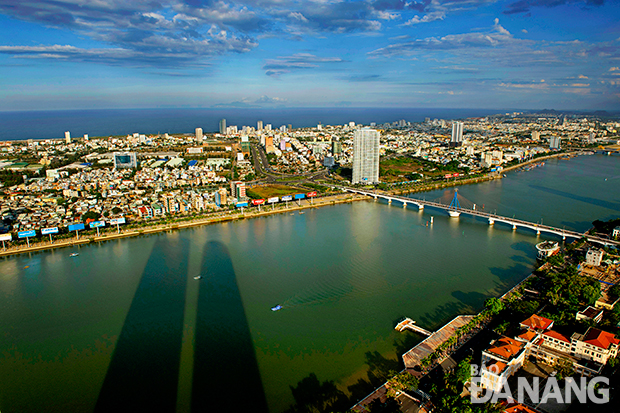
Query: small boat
[[276, 308], [292, 214], [301, 213], [74, 254], [197, 277]]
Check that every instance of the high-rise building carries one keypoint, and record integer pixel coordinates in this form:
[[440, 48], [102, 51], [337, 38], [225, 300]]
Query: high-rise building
[[554, 142], [199, 134], [259, 125], [67, 137], [86, 137], [365, 156], [223, 127], [336, 147], [237, 189], [535, 135], [457, 134], [220, 197]]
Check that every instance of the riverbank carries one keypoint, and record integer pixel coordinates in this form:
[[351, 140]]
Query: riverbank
[[281, 209], [316, 202]]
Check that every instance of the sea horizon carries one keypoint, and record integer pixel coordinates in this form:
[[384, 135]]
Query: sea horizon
[[52, 124]]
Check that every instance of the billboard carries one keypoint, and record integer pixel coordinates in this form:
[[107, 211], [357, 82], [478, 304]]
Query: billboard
[[116, 221], [311, 194], [300, 196], [258, 201], [241, 204], [46, 231], [25, 234], [5, 237], [287, 198], [97, 224], [273, 199], [76, 227]]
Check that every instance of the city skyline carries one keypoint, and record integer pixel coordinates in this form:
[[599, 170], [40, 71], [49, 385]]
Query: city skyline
[[521, 54]]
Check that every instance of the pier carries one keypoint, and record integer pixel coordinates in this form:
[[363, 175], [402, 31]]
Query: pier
[[408, 324], [414, 357]]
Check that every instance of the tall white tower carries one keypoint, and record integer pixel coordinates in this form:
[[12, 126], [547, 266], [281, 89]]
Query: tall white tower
[[199, 135], [365, 156], [67, 137], [457, 132]]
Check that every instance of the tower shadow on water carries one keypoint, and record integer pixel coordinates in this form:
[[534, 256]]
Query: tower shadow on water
[[144, 372], [226, 375]]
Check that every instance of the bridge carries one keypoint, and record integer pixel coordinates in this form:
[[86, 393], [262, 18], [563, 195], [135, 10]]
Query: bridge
[[455, 211]]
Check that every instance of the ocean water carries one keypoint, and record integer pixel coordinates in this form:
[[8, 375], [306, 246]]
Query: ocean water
[[53, 124]]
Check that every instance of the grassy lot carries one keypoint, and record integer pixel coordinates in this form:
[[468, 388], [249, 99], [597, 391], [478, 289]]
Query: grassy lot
[[268, 191], [399, 169]]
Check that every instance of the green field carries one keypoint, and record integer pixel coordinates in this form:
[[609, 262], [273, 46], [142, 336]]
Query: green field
[[268, 191]]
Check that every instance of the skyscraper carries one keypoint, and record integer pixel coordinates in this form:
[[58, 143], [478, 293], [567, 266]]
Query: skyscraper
[[259, 125], [223, 127], [67, 137], [457, 134], [199, 135], [365, 156], [554, 142], [535, 135]]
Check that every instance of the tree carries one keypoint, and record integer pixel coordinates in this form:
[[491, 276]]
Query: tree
[[91, 215], [564, 368], [494, 305], [401, 382]]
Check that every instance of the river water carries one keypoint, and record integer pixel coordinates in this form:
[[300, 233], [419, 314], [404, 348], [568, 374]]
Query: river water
[[126, 325]]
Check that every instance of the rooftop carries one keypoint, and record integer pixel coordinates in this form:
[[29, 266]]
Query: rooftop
[[536, 322]]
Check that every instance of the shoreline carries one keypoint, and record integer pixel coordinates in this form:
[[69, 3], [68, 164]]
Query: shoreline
[[46, 245], [318, 202]]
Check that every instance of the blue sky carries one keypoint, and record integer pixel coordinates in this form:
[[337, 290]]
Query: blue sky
[[527, 54]]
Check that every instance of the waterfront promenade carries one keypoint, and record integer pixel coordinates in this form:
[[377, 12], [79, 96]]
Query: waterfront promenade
[[212, 219]]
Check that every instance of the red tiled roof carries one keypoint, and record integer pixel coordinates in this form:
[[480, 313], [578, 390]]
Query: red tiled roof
[[518, 408], [556, 335], [496, 367], [506, 347], [528, 335], [537, 322], [600, 338]]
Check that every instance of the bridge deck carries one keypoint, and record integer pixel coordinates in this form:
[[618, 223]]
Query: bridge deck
[[491, 217]]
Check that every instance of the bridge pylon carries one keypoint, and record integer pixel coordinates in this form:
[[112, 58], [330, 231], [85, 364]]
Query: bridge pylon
[[491, 221]]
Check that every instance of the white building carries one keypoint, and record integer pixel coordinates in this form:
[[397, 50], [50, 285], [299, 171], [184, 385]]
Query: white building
[[67, 137], [500, 361], [457, 133], [365, 156], [554, 142], [594, 257], [199, 134]]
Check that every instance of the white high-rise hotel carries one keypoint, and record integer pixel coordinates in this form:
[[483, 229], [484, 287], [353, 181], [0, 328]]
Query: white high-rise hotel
[[365, 156], [457, 132]]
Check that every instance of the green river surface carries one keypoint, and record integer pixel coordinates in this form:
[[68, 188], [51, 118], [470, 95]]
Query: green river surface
[[126, 326]]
